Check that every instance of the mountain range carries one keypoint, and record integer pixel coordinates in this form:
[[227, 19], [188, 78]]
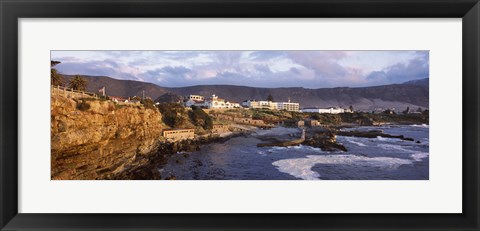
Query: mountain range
[[411, 94]]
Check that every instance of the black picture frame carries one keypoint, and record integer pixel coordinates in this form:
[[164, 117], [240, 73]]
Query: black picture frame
[[12, 10]]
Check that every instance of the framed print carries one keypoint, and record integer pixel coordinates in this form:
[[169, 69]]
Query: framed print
[[239, 115]]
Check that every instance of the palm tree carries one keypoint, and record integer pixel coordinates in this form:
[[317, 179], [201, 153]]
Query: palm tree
[[55, 77], [270, 97], [78, 83]]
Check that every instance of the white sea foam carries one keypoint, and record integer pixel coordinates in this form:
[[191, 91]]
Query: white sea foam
[[295, 147], [420, 125], [394, 147], [381, 138], [352, 140], [302, 167], [314, 148], [419, 156], [276, 148]]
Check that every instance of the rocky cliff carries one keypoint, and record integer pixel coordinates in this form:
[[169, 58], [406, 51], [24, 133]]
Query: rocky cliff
[[100, 140]]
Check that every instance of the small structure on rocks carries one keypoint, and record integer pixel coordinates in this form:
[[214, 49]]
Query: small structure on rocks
[[178, 134], [219, 128]]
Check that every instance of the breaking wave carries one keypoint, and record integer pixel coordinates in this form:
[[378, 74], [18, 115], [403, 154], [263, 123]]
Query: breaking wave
[[419, 156], [420, 125], [302, 167], [353, 141]]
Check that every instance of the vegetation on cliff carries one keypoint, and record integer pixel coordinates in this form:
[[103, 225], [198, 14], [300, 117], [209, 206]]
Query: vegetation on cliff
[[56, 79], [176, 115], [78, 83], [200, 118]]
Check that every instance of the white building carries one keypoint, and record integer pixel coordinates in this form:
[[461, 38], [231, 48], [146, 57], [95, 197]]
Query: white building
[[330, 110], [196, 100], [251, 104], [217, 103], [289, 106], [196, 97]]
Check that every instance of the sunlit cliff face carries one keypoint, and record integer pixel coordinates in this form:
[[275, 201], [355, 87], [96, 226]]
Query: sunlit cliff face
[[101, 141]]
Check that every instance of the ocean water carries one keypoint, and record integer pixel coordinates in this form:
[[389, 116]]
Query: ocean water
[[366, 159]]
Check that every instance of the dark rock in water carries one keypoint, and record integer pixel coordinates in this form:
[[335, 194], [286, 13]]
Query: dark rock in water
[[327, 141], [144, 170], [371, 134], [365, 121], [377, 131], [418, 142]]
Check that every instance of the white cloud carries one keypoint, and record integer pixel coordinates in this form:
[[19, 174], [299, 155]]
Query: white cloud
[[311, 69]]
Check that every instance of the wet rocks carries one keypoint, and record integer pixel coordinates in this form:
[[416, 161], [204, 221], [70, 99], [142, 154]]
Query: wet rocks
[[147, 169], [326, 140]]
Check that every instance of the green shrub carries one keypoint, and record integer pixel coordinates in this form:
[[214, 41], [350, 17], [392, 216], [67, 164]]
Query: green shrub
[[148, 103], [200, 118], [173, 114]]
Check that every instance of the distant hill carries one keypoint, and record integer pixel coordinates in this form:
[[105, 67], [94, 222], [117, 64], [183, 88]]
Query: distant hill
[[169, 97], [419, 82], [124, 88], [411, 94]]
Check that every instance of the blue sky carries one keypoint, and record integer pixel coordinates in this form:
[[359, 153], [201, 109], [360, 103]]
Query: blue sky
[[309, 69]]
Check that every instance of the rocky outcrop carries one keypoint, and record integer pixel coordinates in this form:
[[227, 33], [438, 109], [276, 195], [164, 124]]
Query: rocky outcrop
[[97, 139], [326, 140], [287, 143]]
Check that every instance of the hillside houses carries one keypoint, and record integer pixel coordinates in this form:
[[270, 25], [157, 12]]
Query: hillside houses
[[330, 110], [119, 99], [218, 103], [214, 102], [288, 106], [196, 100]]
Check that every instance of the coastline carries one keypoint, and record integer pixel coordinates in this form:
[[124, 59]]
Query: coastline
[[324, 138], [146, 168], [366, 158]]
